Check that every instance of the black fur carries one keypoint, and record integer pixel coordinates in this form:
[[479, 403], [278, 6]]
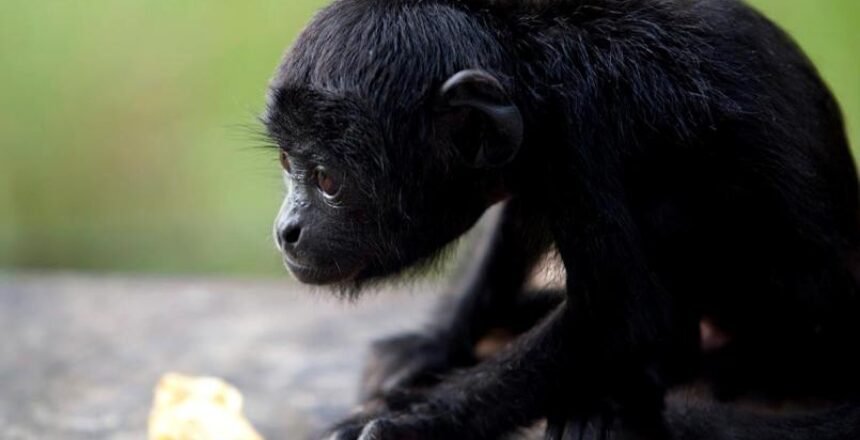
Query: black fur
[[683, 157], [700, 421]]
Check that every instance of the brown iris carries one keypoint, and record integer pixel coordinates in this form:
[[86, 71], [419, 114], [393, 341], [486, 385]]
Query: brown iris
[[326, 182]]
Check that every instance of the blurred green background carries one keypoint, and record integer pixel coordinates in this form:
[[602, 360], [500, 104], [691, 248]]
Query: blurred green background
[[127, 128]]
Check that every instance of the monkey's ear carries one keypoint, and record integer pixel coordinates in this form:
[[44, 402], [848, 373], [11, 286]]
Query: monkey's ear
[[483, 95]]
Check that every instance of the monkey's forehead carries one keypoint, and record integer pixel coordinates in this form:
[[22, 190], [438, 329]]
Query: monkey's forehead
[[299, 111], [393, 54], [315, 124]]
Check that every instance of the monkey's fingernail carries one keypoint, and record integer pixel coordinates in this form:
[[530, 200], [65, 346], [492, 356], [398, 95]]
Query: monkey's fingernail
[[371, 431]]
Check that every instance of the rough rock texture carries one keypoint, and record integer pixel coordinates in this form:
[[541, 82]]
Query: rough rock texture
[[81, 354]]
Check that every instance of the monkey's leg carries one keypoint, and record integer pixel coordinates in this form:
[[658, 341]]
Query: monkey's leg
[[511, 390], [704, 419], [490, 299], [530, 307]]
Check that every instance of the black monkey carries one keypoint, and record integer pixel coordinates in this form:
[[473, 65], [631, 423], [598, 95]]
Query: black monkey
[[682, 156]]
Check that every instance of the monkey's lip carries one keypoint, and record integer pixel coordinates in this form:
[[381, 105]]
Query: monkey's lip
[[318, 275]]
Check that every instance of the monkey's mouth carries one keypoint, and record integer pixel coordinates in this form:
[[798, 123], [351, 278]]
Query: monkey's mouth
[[321, 275]]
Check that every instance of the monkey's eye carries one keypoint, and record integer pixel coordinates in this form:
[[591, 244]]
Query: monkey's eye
[[285, 161], [326, 182]]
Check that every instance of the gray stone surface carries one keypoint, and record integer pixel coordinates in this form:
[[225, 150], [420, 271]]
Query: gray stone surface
[[81, 354]]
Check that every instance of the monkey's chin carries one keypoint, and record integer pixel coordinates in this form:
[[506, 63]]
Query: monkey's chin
[[320, 276]]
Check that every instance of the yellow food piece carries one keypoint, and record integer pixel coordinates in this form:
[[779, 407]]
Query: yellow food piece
[[198, 408]]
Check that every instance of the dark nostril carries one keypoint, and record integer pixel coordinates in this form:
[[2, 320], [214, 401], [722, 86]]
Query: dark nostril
[[291, 234]]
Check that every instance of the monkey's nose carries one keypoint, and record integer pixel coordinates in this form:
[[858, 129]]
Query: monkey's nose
[[290, 236]]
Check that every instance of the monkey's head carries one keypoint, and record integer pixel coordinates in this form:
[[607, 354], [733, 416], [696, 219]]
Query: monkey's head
[[393, 137]]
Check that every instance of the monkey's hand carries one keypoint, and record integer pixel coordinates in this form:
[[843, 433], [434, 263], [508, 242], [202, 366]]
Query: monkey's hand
[[493, 398], [402, 370], [412, 361], [418, 420], [372, 410], [454, 409]]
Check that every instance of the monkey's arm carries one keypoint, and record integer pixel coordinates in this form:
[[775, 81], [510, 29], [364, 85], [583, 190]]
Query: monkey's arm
[[630, 333], [490, 299]]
